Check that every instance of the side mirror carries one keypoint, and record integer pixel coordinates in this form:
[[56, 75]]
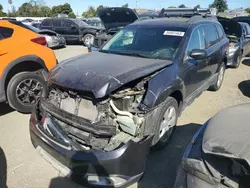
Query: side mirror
[[198, 54], [73, 27]]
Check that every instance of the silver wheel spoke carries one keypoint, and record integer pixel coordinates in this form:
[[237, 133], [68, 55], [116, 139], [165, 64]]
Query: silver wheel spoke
[[168, 122]]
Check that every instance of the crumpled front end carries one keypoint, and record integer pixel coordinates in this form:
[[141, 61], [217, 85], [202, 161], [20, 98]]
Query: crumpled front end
[[95, 138]]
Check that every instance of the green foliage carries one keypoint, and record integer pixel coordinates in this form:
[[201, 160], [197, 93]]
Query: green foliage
[[62, 9], [91, 12], [100, 7], [172, 7], [220, 5], [72, 15], [197, 6], [13, 12], [125, 6], [182, 6], [248, 10], [45, 11]]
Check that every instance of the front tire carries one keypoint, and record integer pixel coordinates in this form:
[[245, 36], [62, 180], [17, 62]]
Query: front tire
[[24, 90], [88, 39], [165, 123], [220, 77]]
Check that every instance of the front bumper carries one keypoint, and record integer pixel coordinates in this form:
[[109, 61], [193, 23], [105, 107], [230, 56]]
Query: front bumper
[[94, 168], [232, 58]]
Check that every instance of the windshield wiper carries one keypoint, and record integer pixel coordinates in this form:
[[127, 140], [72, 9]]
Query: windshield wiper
[[132, 54]]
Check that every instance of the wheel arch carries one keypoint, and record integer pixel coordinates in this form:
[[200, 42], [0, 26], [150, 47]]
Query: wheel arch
[[24, 63]]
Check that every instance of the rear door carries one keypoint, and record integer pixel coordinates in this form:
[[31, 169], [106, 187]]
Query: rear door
[[46, 24], [57, 26], [214, 48], [71, 30], [196, 71]]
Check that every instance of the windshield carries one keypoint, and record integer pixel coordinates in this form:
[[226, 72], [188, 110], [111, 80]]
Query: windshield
[[154, 43], [80, 23]]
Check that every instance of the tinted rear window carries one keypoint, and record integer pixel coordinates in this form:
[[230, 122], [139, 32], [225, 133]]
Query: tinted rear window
[[210, 34], [57, 23], [5, 32], [46, 23]]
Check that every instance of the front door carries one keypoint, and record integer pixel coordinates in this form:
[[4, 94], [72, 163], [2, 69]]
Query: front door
[[196, 71], [71, 30]]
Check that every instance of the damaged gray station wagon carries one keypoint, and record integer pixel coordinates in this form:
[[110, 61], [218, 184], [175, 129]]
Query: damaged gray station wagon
[[107, 108]]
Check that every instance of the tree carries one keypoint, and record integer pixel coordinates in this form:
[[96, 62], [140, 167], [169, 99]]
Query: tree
[[182, 6], [91, 12], [125, 6], [220, 5], [100, 7], [72, 15], [62, 9], [197, 6], [2, 13], [248, 10], [172, 7], [45, 11], [13, 12], [25, 9]]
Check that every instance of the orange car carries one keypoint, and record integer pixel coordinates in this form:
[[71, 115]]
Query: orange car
[[25, 60]]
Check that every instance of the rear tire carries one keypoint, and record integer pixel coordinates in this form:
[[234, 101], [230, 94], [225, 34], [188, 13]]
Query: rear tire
[[88, 39], [220, 77], [238, 61], [24, 90], [165, 123]]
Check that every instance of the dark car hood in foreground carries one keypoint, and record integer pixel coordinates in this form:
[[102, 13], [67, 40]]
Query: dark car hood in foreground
[[117, 17], [230, 26], [228, 133], [103, 73]]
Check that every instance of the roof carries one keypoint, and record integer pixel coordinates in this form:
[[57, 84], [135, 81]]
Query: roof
[[173, 22]]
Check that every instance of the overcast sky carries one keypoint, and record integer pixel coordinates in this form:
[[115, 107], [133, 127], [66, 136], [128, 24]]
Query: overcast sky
[[82, 5]]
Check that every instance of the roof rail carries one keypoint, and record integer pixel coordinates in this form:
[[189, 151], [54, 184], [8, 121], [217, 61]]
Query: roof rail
[[185, 12]]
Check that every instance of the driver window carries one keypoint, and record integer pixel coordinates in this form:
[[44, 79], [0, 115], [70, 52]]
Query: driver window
[[197, 40]]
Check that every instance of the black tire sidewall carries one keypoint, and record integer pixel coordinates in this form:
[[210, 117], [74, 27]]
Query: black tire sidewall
[[159, 143], [215, 86], [11, 90], [85, 36]]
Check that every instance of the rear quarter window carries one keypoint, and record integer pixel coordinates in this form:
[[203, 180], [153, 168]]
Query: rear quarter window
[[46, 23], [5, 32]]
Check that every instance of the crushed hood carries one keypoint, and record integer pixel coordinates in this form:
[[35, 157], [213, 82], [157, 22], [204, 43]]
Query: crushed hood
[[227, 133], [117, 17], [102, 73], [230, 26]]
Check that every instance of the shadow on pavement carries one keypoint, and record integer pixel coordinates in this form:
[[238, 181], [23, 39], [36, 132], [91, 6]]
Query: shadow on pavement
[[5, 109], [3, 169], [246, 62], [64, 182], [244, 87], [162, 165]]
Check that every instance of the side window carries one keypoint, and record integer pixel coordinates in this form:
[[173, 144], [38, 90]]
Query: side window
[[67, 23], [210, 35], [57, 23], [248, 29], [5, 32], [46, 23], [220, 31], [197, 40]]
